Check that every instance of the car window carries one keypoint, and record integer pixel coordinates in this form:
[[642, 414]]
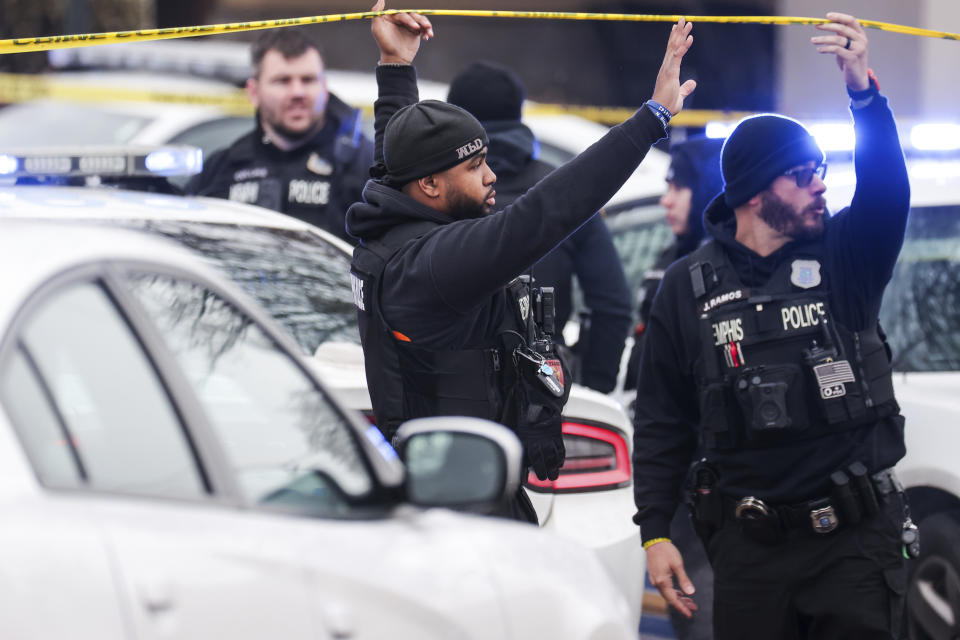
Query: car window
[[44, 124], [299, 278], [639, 235], [214, 134], [921, 307], [284, 439], [211, 136], [117, 414], [44, 435]]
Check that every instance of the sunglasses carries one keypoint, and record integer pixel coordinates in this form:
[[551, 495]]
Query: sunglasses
[[804, 175]]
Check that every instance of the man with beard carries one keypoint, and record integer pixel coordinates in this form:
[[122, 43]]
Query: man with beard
[[306, 156], [764, 344], [446, 324]]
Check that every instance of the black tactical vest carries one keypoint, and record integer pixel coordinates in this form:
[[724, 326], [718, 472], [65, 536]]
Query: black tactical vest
[[406, 381], [775, 366]]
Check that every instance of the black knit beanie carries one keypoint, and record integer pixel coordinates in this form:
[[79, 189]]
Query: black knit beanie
[[489, 91], [758, 150], [429, 137]]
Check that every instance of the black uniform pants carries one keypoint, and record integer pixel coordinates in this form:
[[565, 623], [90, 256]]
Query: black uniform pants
[[847, 585]]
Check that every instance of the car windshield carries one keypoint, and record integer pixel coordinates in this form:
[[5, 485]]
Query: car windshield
[[299, 278], [43, 124], [921, 306]]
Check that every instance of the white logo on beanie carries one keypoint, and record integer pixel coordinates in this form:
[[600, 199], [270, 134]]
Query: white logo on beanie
[[469, 149]]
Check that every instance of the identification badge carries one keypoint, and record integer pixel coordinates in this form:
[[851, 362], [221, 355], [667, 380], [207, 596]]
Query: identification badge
[[548, 372]]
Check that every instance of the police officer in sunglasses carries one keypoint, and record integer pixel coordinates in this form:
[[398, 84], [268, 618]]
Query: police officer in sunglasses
[[764, 346]]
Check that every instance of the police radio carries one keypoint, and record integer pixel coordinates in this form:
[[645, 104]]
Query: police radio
[[539, 354]]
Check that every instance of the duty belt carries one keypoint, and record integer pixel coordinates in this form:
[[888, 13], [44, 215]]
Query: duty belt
[[846, 505]]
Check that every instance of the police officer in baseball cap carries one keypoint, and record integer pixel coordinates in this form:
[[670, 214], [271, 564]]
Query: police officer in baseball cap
[[447, 325]]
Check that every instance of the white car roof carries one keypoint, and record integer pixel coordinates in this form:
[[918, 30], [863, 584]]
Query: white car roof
[[36, 251], [84, 203]]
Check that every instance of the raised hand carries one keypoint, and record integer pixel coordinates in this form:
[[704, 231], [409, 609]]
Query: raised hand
[[848, 41], [398, 36], [668, 91]]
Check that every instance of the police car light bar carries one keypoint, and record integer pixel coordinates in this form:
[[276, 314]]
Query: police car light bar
[[718, 129], [101, 161], [8, 165], [935, 137], [834, 136]]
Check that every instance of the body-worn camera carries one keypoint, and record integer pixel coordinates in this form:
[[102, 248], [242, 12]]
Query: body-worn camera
[[764, 392]]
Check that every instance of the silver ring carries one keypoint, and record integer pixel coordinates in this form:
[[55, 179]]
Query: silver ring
[[847, 46]]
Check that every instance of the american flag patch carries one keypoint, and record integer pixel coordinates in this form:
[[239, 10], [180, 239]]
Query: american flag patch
[[831, 377]]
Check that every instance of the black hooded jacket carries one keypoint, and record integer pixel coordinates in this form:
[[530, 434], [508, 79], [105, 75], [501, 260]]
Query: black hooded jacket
[[588, 254], [696, 165], [444, 290], [860, 246], [314, 182]]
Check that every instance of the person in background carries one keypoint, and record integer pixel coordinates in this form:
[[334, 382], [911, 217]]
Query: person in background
[[494, 95], [693, 180], [306, 156]]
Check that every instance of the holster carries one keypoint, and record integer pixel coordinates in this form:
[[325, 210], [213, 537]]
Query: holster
[[704, 500]]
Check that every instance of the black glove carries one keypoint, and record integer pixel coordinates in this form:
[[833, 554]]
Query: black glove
[[538, 424], [543, 449]]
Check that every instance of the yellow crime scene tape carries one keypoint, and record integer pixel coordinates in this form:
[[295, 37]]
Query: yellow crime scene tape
[[21, 45], [17, 88]]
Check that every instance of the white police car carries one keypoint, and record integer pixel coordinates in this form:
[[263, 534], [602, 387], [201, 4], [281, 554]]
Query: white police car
[[300, 275], [171, 468], [921, 317]]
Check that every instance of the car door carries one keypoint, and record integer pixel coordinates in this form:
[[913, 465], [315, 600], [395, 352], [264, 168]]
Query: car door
[[56, 579], [291, 449], [187, 562]]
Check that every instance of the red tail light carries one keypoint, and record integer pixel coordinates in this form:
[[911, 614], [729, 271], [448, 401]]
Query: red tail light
[[597, 458]]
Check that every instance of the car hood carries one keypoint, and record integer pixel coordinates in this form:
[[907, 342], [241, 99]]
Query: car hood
[[931, 408]]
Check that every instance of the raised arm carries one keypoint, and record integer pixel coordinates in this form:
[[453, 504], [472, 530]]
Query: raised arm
[[873, 227], [398, 38]]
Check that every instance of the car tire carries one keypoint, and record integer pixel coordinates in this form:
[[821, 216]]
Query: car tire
[[933, 590]]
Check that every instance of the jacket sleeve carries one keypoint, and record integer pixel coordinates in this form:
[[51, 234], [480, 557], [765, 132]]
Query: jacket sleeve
[[868, 235], [605, 293], [397, 87], [665, 436], [457, 268]]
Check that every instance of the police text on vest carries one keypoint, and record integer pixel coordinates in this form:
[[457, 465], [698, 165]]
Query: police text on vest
[[801, 315]]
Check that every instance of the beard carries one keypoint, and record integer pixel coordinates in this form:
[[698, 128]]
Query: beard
[[275, 120], [463, 208], [784, 218]]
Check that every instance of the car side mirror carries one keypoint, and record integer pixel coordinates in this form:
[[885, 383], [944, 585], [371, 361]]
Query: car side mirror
[[458, 462]]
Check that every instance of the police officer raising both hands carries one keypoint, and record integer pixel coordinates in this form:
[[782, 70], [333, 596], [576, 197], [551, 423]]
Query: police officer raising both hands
[[448, 327], [764, 344]]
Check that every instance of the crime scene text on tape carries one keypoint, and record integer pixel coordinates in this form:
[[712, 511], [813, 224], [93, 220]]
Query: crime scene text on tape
[[22, 45]]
